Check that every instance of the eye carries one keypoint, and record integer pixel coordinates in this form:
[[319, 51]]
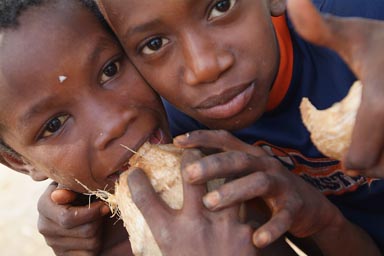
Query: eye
[[110, 71], [154, 45], [53, 125], [220, 8]]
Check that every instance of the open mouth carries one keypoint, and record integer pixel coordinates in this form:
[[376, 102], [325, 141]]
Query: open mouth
[[157, 137]]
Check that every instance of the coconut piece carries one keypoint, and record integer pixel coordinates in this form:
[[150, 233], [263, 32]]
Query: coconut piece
[[331, 128], [161, 163]]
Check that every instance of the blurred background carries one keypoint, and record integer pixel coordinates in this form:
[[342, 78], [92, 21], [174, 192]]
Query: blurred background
[[18, 215]]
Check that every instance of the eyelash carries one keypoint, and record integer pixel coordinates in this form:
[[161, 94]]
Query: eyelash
[[116, 65], [220, 13], [50, 128], [146, 48]]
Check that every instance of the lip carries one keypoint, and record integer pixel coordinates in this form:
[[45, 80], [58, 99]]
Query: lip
[[228, 103], [156, 137]]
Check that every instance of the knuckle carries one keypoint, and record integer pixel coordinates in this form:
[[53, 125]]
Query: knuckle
[[243, 158], [94, 244], [90, 230], [42, 227], [65, 219], [263, 183], [223, 133], [246, 232]]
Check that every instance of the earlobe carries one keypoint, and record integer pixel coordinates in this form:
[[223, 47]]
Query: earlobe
[[19, 164], [277, 7]]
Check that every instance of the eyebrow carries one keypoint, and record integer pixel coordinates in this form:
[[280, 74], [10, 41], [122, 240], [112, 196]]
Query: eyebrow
[[102, 44], [48, 101], [141, 28], [35, 109]]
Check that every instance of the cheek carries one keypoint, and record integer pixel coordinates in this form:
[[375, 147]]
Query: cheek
[[163, 81], [64, 164]]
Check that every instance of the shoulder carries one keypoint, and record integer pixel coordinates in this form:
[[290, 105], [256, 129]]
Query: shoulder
[[373, 9]]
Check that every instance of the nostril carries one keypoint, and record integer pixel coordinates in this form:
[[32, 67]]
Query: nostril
[[101, 140], [208, 69], [203, 74], [113, 127]]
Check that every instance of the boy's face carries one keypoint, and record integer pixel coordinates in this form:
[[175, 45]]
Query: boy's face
[[73, 128], [214, 60]]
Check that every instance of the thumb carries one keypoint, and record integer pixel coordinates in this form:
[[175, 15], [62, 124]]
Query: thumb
[[62, 195]]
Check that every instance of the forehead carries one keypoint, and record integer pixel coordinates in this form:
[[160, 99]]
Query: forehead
[[48, 41], [136, 10]]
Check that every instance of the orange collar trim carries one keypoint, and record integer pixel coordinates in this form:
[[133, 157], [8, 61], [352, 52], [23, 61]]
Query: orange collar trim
[[284, 74]]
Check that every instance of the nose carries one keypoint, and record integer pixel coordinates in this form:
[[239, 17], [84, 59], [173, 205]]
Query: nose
[[205, 61], [112, 125]]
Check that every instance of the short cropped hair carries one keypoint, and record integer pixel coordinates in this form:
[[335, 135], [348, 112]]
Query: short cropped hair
[[10, 10]]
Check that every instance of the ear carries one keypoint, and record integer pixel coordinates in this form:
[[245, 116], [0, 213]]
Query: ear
[[277, 7], [19, 164]]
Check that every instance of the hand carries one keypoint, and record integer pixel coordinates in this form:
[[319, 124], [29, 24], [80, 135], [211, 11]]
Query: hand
[[296, 206], [359, 42], [68, 229], [193, 230]]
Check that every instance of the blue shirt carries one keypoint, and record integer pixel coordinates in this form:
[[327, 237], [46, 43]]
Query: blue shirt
[[320, 75]]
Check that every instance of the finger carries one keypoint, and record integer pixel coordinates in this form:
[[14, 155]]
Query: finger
[[336, 33], [63, 196], [308, 22], [367, 140], [221, 165], [66, 244], [193, 194], [273, 229], [152, 207], [375, 172], [50, 228], [216, 141], [324, 30], [69, 217], [257, 184]]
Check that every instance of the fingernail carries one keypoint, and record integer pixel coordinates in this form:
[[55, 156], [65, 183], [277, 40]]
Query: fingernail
[[193, 172], [104, 210], [262, 239], [181, 138], [212, 199]]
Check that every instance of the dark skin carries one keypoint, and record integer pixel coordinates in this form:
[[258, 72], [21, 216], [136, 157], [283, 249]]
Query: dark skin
[[366, 153], [175, 241], [73, 129], [303, 211], [353, 58], [76, 126], [194, 46], [221, 81]]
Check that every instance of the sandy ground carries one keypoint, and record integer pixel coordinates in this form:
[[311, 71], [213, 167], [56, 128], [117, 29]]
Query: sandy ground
[[18, 215]]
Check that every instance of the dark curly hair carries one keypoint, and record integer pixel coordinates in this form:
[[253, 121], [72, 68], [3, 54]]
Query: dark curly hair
[[10, 10]]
